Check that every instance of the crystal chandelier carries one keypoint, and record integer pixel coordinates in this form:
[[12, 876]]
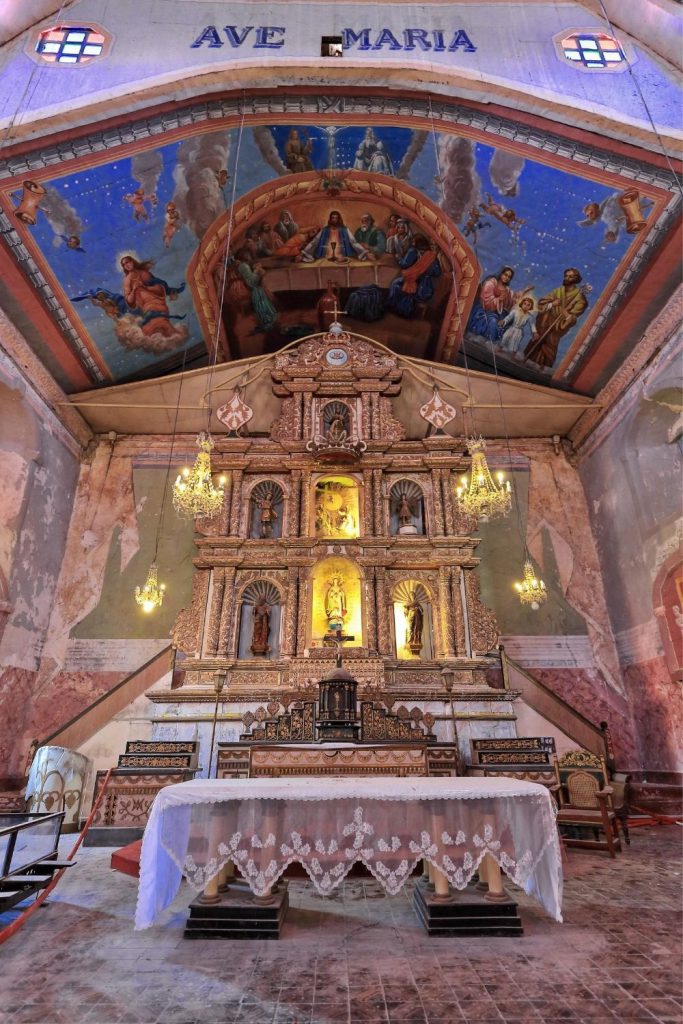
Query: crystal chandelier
[[151, 596], [194, 493], [481, 495], [532, 589]]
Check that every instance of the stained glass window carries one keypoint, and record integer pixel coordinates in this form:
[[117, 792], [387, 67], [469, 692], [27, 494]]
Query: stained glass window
[[70, 44], [594, 50]]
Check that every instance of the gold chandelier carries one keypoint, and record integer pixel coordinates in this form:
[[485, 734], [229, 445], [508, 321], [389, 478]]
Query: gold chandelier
[[532, 589], [194, 492], [151, 596], [481, 495]]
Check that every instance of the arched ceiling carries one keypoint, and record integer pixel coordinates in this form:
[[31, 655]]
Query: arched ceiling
[[154, 242]]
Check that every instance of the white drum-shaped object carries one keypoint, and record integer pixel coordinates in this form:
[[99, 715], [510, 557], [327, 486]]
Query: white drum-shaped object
[[56, 782]]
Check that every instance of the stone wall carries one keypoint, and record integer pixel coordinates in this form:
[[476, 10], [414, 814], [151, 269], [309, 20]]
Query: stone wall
[[631, 471]]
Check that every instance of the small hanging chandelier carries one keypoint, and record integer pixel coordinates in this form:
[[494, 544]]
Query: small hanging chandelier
[[532, 589], [481, 495], [194, 492], [151, 596]]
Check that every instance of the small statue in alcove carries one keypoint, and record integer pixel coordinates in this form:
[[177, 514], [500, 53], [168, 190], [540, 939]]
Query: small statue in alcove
[[404, 510], [268, 515], [414, 624], [260, 627]]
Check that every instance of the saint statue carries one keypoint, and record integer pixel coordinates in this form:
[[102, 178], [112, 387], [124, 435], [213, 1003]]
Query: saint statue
[[404, 510], [268, 515], [335, 604], [260, 627], [414, 624], [336, 432]]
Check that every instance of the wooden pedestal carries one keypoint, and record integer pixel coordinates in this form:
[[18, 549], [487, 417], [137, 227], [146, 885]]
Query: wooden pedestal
[[468, 914], [238, 915]]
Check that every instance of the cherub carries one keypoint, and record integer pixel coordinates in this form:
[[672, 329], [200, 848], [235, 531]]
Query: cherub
[[73, 242], [111, 303], [506, 216], [474, 223], [171, 223], [137, 200]]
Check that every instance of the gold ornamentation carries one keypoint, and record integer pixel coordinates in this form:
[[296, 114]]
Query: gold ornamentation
[[531, 590], [194, 493], [151, 596], [481, 495]]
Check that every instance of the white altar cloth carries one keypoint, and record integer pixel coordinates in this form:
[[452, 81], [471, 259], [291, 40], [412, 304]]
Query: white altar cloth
[[329, 824]]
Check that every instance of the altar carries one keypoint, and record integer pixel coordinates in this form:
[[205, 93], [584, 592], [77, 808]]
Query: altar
[[457, 826]]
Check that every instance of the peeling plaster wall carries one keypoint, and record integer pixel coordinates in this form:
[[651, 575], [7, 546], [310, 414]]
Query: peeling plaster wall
[[567, 643], [632, 477], [39, 475]]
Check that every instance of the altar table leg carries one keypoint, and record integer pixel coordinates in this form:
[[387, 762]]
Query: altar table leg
[[226, 875], [442, 892], [482, 885], [210, 893], [496, 893]]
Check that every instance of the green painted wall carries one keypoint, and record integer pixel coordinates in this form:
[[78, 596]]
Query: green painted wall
[[117, 616]]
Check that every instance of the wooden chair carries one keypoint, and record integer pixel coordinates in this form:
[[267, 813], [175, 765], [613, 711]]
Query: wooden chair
[[586, 804]]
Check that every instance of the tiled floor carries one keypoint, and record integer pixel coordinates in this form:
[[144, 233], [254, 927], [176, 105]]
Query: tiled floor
[[360, 956]]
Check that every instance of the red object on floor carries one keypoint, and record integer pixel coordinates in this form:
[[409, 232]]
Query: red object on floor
[[127, 859]]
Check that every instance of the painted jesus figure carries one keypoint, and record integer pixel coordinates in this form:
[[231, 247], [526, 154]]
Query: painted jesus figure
[[334, 240]]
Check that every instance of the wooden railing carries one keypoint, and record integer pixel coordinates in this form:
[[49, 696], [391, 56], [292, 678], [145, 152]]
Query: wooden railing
[[551, 707], [96, 715]]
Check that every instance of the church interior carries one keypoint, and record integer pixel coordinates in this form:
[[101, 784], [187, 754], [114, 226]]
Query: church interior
[[341, 573]]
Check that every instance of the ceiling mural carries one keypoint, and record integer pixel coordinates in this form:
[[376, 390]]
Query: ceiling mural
[[438, 243]]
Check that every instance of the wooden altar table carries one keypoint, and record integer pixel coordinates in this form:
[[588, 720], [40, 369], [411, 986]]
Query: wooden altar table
[[261, 826]]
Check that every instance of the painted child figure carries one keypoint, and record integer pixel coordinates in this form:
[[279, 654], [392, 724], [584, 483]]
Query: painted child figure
[[517, 327]]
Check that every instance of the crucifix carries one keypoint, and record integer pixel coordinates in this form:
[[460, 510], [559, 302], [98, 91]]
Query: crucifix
[[337, 640]]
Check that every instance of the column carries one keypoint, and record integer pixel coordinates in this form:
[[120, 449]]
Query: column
[[298, 414], [383, 606], [436, 502], [228, 602], [306, 427], [305, 515], [370, 609], [302, 612], [458, 614], [374, 413], [368, 507], [289, 638], [223, 519], [378, 502], [366, 431], [445, 613], [447, 498], [213, 625], [236, 503], [294, 503]]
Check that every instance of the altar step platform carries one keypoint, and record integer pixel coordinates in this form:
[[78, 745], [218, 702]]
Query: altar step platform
[[467, 913], [238, 915]]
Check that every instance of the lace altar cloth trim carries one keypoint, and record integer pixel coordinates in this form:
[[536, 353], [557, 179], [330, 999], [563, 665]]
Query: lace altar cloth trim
[[329, 824]]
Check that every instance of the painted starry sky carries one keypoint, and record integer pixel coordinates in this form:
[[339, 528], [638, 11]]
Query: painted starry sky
[[548, 201]]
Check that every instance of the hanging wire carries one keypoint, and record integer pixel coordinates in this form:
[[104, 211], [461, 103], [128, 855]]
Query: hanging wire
[[638, 89], [455, 285], [35, 73], [226, 260], [162, 511]]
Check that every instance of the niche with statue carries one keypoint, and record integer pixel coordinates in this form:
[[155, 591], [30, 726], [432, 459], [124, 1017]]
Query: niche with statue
[[413, 631], [259, 621], [266, 505], [337, 507], [406, 509]]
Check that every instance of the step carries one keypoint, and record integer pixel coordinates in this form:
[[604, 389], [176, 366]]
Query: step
[[469, 914], [55, 865], [39, 880], [237, 916]]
